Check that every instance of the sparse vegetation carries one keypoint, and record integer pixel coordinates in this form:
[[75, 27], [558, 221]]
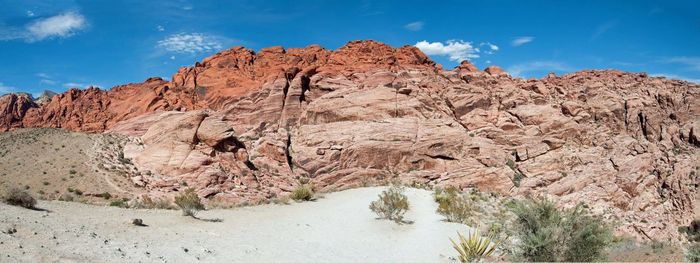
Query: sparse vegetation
[[549, 234], [189, 202], [692, 254], [120, 203], [392, 204], [19, 197], [454, 206], [692, 231], [302, 193], [517, 175], [105, 195], [474, 247], [146, 202]]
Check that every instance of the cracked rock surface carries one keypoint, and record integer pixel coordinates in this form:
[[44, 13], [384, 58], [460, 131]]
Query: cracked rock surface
[[245, 126]]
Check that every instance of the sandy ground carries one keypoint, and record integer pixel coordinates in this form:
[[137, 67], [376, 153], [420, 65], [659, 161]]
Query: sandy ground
[[336, 228], [49, 162]]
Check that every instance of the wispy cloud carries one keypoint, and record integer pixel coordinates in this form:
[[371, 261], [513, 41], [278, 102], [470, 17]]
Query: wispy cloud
[[414, 26], [160, 28], [455, 50], [46, 79], [190, 43], [59, 26], [519, 41], [674, 76], [5, 89], [48, 82], [692, 63], [490, 48], [517, 70], [602, 29], [79, 85]]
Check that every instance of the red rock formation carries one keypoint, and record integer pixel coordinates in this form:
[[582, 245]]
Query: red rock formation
[[466, 65], [242, 125], [13, 107], [494, 70]]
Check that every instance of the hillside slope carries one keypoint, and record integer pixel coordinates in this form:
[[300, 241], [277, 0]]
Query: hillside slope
[[242, 126]]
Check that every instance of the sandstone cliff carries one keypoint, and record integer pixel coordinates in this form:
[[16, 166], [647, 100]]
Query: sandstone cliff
[[245, 126]]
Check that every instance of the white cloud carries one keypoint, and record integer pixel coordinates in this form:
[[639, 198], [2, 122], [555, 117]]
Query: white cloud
[[79, 85], [674, 76], [6, 89], [519, 41], [602, 29], [518, 69], [190, 43], [491, 48], [414, 26], [59, 26], [62, 26], [693, 63], [160, 28], [48, 81], [455, 50]]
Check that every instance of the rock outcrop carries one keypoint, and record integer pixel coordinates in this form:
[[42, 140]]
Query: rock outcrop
[[246, 126]]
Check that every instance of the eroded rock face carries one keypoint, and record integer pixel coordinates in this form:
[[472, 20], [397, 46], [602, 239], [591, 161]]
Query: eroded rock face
[[245, 126]]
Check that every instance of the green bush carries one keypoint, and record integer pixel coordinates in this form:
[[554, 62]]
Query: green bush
[[692, 254], [454, 206], [189, 202], [105, 195], [692, 231], [124, 203], [302, 193], [19, 197], [392, 204], [549, 234]]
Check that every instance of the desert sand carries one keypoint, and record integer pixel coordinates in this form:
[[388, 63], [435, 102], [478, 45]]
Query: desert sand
[[336, 228]]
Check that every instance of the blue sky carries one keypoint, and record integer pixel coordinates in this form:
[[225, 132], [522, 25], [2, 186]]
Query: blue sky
[[68, 43]]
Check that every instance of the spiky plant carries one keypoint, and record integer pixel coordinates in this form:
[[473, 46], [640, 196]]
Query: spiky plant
[[474, 247]]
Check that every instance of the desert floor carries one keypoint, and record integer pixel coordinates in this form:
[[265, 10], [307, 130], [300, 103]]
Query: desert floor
[[336, 228]]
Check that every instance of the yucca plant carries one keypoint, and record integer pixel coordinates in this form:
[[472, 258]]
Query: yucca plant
[[474, 247]]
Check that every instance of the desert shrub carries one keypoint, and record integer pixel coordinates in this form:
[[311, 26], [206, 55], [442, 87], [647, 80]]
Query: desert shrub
[[692, 254], [474, 247], [146, 202], [189, 202], [454, 206], [105, 195], [692, 231], [549, 234], [124, 203], [302, 193], [19, 197], [392, 204]]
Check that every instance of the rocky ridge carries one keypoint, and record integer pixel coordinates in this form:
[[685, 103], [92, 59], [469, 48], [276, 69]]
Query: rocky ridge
[[248, 126]]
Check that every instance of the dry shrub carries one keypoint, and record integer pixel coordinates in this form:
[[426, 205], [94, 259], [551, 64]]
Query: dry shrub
[[189, 202], [19, 197], [392, 204], [455, 206], [302, 193]]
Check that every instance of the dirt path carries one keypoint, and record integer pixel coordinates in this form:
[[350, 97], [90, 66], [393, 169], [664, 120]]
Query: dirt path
[[337, 228]]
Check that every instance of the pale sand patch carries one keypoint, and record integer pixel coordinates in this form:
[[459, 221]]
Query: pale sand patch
[[337, 228]]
